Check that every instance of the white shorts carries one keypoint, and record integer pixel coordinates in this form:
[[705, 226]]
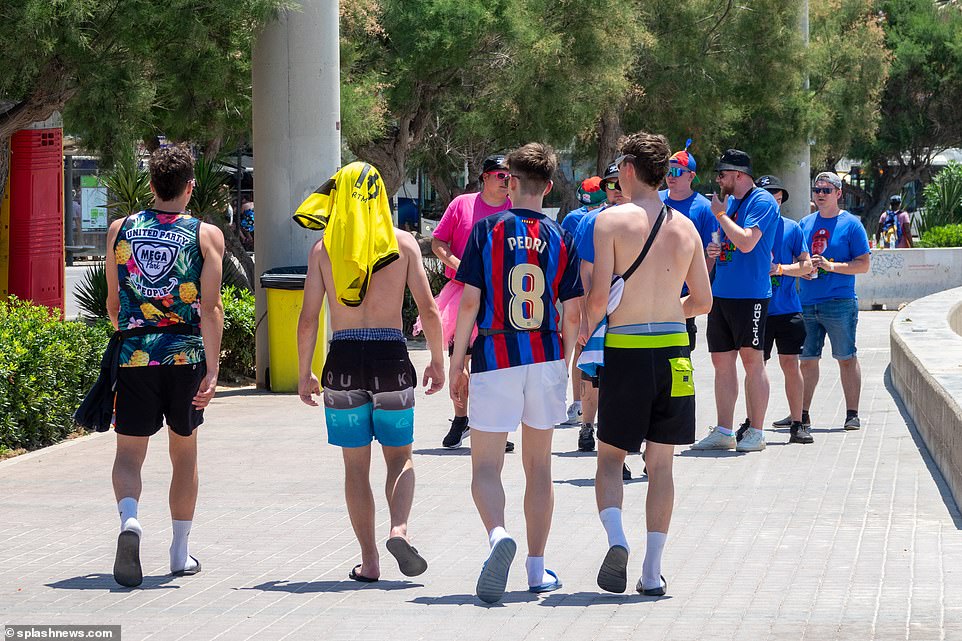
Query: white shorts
[[532, 394]]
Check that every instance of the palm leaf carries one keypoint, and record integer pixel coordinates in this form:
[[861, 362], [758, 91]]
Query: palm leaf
[[91, 293]]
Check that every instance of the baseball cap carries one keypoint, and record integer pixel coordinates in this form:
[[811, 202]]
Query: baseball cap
[[895, 199], [735, 160], [590, 191], [611, 172], [831, 178], [491, 163], [683, 159], [772, 184]]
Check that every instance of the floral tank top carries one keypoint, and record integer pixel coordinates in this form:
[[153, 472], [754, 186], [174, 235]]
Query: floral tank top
[[158, 264]]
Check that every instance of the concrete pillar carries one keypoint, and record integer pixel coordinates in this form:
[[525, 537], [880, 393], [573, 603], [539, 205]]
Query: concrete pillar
[[795, 169], [297, 143]]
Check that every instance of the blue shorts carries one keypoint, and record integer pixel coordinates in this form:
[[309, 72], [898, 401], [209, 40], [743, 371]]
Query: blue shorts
[[838, 318], [368, 383]]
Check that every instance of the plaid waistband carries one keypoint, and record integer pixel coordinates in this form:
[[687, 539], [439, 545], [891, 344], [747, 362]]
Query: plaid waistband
[[369, 334]]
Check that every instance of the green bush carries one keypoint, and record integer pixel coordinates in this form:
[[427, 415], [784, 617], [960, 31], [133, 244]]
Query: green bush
[[409, 311], [237, 346], [944, 236], [46, 367], [943, 199], [91, 293]]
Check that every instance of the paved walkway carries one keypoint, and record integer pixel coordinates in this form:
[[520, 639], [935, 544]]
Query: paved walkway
[[850, 538]]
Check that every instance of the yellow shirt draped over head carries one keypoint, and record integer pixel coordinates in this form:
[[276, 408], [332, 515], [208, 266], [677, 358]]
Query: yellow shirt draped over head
[[359, 237]]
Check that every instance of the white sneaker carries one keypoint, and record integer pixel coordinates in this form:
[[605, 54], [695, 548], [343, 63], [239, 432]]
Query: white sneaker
[[574, 416], [753, 441], [716, 440]]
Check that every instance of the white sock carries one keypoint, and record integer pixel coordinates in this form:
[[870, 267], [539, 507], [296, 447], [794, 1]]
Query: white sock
[[179, 556], [577, 405], [536, 573], [611, 519], [651, 570], [128, 516], [496, 535]]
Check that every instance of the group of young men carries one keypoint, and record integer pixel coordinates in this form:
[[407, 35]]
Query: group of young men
[[633, 275]]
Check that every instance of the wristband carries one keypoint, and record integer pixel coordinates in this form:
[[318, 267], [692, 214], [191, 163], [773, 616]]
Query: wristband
[[779, 271]]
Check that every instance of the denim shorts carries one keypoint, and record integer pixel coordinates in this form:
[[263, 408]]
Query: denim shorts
[[838, 318]]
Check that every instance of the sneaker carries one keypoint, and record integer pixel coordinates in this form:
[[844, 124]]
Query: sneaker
[[715, 440], [625, 472], [508, 446], [456, 435], [586, 438], [801, 434], [574, 416], [783, 423], [742, 429], [753, 441], [852, 423]]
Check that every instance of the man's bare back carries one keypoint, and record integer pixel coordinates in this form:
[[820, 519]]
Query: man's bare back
[[652, 293], [382, 303]]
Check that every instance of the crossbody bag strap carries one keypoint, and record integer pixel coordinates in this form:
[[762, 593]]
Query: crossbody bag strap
[[647, 247]]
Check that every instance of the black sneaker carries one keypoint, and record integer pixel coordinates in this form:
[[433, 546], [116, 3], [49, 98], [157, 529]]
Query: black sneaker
[[625, 472], [586, 438], [742, 429], [455, 436], [783, 423], [508, 446], [801, 434]]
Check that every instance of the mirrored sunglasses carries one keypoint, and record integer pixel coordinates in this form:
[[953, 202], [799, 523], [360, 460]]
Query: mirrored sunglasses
[[676, 172], [822, 190]]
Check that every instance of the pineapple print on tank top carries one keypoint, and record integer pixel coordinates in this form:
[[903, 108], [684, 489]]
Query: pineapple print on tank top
[[158, 265]]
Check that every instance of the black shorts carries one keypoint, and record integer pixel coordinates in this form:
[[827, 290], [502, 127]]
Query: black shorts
[[647, 394], [734, 323], [588, 378], [787, 331], [692, 330], [146, 396]]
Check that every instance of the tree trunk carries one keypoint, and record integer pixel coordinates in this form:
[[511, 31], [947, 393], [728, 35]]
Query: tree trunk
[[609, 132], [568, 191]]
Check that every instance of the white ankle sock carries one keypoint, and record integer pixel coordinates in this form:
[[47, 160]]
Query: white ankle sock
[[179, 556], [536, 574], [128, 516], [651, 570], [611, 519], [496, 535]]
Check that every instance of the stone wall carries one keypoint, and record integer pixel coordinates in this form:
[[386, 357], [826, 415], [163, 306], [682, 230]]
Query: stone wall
[[903, 275]]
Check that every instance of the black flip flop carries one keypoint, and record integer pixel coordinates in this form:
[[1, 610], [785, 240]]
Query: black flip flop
[[409, 561], [613, 575], [191, 572], [127, 570], [659, 591], [354, 576]]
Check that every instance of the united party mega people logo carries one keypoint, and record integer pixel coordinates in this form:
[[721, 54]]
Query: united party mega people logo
[[155, 258]]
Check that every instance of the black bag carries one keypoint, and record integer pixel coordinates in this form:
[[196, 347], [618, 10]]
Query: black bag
[[97, 409]]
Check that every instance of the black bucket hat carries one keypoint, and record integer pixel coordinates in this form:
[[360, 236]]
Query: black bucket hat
[[735, 160], [772, 184]]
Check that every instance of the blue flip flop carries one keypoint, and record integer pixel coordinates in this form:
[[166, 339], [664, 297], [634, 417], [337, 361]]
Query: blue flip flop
[[546, 587], [494, 573]]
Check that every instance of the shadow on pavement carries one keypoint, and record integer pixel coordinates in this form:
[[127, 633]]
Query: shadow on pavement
[[443, 451], [712, 453], [472, 599], [591, 482], [582, 599], [309, 587], [575, 454], [106, 583], [934, 470], [241, 392]]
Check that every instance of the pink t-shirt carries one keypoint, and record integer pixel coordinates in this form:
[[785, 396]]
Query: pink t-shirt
[[458, 219]]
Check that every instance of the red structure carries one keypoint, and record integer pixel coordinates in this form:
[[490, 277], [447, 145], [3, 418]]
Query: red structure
[[36, 267]]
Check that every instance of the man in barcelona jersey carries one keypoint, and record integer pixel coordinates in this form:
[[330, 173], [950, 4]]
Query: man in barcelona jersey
[[516, 266]]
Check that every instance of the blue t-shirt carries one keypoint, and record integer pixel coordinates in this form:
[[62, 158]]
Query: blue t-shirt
[[570, 222], [698, 210], [839, 239], [789, 244], [585, 235], [523, 263], [740, 275]]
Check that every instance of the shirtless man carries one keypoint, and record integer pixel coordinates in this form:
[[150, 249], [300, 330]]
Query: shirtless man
[[368, 379], [646, 334]]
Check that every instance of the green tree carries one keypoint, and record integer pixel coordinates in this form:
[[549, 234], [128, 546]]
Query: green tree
[[121, 70], [919, 115]]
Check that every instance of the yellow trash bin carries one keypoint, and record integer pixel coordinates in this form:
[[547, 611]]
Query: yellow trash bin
[[285, 296]]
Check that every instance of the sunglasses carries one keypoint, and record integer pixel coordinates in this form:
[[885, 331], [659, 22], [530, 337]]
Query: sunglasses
[[500, 175], [822, 190], [616, 186], [622, 158], [677, 172]]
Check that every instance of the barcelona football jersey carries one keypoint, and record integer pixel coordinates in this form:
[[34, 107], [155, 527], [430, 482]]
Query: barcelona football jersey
[[523, 263]]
